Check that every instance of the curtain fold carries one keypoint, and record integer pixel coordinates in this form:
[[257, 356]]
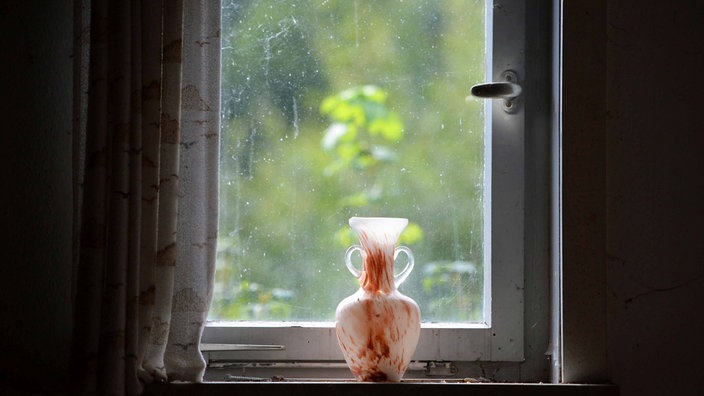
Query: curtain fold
[[148, 212]]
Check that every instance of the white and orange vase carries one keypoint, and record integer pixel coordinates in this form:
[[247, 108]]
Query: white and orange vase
[[378, 327]]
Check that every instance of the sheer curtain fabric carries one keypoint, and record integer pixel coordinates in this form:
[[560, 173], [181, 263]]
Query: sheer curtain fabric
[[146, 175]]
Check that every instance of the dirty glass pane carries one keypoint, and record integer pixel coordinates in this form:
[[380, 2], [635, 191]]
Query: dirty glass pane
[[333, 109]]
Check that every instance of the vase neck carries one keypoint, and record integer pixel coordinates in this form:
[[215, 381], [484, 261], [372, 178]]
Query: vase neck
[[378, 237], [378, 267]]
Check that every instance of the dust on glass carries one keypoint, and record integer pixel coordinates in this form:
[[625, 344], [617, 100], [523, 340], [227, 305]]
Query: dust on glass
[[336, 109]]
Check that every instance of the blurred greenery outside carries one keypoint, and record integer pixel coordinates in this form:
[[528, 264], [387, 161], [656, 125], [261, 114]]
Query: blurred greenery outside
[[334, 109]]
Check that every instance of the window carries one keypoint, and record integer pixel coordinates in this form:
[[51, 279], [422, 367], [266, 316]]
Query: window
[[294, 169]]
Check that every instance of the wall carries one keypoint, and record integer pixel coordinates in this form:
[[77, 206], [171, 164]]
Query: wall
[[655, 192], [35, 259]]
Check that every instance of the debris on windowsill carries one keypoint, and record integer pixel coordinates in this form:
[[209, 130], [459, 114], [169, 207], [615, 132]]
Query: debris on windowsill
[[278, 378]]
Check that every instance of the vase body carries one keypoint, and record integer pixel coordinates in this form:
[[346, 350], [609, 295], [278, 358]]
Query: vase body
[[378, 327]]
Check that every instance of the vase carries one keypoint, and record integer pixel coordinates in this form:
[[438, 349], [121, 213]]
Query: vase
[[378, 327]]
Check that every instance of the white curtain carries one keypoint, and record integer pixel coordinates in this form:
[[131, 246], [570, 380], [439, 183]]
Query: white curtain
[[146, 147]]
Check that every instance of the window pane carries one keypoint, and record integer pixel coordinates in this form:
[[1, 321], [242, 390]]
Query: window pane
[[336, 109]]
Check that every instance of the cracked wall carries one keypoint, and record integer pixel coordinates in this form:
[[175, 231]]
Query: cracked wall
[[655, 184]]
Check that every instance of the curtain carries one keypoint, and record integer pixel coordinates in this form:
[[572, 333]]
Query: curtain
[[146, 146]]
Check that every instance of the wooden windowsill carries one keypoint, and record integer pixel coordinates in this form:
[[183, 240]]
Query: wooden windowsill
[[326, 388]]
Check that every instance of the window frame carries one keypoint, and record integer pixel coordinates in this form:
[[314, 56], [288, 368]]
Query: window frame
[[501, 338]]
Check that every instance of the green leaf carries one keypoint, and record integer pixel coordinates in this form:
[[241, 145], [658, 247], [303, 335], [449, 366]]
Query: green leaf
[[391, 127], [383, 153], [348, 152], [411, 234], [334, 134], [374, 93], [357, 200], [344, 237], [329, 104]]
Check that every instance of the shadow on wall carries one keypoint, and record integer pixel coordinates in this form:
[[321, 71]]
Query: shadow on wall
[[35, 274]]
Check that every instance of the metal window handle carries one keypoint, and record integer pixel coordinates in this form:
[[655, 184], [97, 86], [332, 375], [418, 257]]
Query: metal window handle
[[496, 90], [508, 90]]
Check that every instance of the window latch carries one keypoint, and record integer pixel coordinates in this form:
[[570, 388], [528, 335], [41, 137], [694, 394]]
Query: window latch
[[509, 90]]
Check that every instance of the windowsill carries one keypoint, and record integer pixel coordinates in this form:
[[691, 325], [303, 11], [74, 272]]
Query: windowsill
[[313, 388]]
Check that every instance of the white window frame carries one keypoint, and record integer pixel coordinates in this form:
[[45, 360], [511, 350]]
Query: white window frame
[[501, 337]]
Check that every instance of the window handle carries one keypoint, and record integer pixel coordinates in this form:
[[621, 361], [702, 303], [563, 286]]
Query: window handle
[[496, 90], [508, 90]]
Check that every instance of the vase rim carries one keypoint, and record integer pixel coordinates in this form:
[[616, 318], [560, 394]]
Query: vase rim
[[388, 228], [356, 219]]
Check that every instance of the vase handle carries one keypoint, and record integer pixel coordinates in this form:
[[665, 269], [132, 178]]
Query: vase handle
[[398, 279], [348, 259]]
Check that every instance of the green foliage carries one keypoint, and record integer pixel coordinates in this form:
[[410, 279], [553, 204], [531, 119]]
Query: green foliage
[[361, 127], [360, 120], [411, 235], [444, 285], [304, 147], [251, 301]]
